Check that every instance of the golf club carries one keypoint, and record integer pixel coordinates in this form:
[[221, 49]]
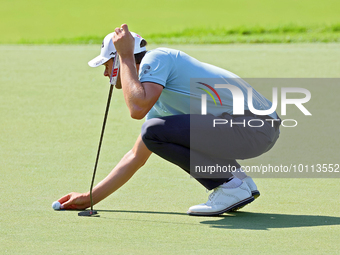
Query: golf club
[[113, 81]]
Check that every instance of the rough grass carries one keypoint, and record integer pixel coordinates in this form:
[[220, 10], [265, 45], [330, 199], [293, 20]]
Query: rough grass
[[280, 34], [175, 21]]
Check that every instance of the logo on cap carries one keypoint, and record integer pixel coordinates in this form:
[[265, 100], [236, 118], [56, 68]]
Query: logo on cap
[[103, 44], [99, 62]]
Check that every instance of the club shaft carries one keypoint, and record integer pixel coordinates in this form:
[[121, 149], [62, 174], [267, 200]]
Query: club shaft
[[100, 142]]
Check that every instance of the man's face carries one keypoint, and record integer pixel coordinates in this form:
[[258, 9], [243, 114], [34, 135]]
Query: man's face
[[108, 70]]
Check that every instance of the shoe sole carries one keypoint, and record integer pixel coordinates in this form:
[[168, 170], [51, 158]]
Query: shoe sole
[[254, 193], [228, 209]]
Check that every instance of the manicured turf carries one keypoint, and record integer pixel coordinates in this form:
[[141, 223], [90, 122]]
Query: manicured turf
[[173, 21], [51, 110]]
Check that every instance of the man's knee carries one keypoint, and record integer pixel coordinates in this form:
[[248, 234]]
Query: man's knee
[[151, 130]]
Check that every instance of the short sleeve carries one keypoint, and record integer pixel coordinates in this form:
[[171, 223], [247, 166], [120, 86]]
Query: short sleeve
[[156, 67]]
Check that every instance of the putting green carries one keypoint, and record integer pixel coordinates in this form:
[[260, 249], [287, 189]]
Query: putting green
[[51, 110]]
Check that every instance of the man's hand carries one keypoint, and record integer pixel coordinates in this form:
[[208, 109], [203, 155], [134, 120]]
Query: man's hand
[[123, 41], [75, 201]]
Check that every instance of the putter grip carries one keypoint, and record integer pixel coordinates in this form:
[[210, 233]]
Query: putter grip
[[115, 70]]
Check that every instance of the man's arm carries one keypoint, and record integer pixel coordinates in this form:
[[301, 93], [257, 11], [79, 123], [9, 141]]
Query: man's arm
[[139, 97], [125, 169]]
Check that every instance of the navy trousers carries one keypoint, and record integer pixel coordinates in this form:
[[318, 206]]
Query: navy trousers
[[191, 140]]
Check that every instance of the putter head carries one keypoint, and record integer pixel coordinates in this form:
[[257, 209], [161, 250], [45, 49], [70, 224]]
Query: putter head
[[87, 213]]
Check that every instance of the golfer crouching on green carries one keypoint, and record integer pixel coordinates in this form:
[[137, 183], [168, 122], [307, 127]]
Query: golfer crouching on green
[[169, 88]]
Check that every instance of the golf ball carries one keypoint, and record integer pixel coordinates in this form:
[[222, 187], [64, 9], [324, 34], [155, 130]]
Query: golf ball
[[56, 205]]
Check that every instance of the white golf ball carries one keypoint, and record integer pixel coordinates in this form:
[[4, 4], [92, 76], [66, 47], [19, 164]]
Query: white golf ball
[[56, 205]]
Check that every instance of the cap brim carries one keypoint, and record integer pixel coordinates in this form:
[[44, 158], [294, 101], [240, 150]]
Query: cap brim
[[97, 61]]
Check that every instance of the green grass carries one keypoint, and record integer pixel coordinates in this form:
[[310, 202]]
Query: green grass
[[281, 34], [176, 21], [51, 110]]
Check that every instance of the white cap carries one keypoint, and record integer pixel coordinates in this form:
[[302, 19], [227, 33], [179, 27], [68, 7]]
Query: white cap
[[108, 50]]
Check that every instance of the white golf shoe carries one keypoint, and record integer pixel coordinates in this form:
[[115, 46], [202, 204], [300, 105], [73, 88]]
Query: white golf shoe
[[223, 200], [252, 186]]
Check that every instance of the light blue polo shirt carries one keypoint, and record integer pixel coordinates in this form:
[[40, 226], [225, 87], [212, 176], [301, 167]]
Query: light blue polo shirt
[[185, 79]]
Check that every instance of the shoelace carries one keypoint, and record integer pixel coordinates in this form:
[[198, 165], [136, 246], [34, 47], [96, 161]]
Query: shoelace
[[211, 196]]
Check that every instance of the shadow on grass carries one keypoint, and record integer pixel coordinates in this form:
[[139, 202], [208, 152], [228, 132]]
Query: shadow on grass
[[253, 221], [142, 212], [265, 221]]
